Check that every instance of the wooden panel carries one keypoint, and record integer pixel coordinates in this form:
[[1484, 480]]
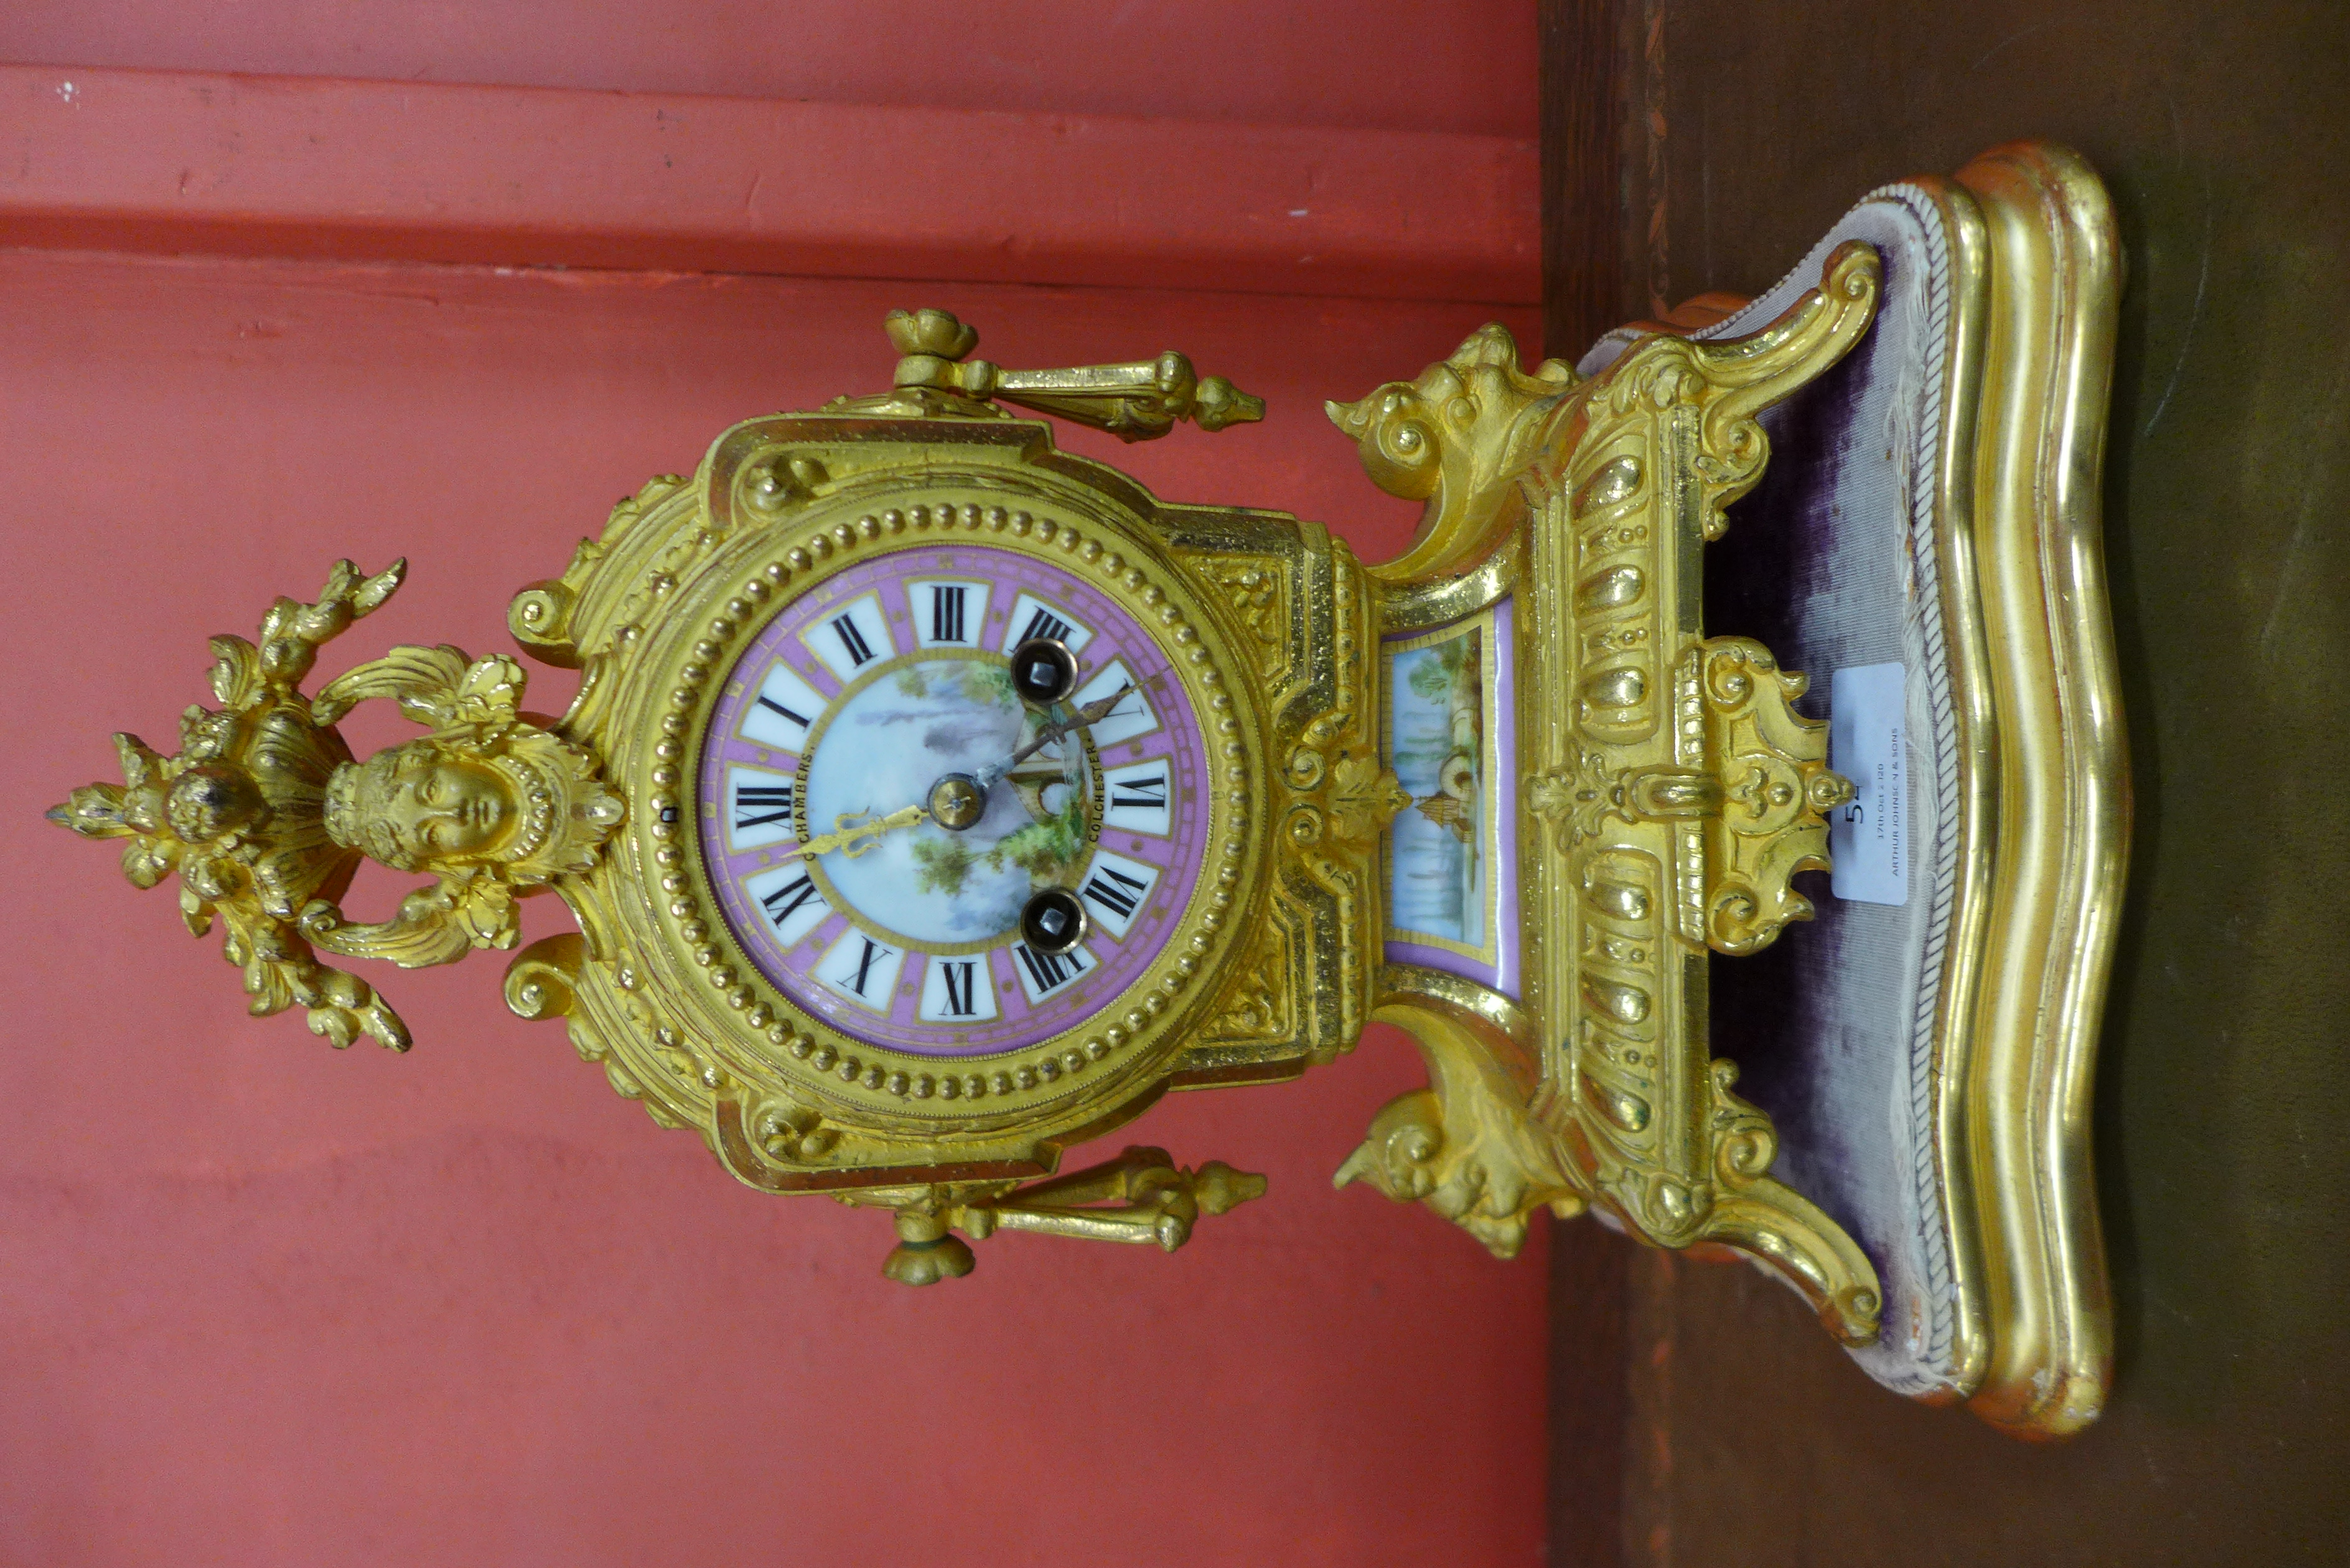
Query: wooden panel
[[1585, 220], [1586, 229]]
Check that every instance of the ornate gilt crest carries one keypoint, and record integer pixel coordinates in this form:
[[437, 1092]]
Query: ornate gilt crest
[[264, 813]]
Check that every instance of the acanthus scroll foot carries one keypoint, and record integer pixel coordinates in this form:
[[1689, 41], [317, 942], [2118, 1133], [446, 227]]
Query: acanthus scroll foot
[[926, 1251]]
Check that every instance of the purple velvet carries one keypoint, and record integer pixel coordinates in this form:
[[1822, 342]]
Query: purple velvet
[[1832, 562]]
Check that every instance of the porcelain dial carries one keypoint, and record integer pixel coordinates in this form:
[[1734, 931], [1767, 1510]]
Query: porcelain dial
[[950, 800]]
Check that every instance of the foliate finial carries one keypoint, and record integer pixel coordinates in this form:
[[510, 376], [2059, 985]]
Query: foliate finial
[[264, 813]]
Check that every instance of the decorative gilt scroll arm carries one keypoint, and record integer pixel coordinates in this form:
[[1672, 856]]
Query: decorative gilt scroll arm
[[1142, 1198], [1458, 438], [1139, 401]]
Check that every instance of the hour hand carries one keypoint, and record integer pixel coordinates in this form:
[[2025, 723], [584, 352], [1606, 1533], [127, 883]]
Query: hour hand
[[857, 832]]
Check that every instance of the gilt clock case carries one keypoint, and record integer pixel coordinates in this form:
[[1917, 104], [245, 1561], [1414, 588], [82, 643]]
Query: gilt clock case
[[791, 567]]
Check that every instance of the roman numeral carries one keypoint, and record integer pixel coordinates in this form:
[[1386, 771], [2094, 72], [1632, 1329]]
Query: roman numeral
[[1113, 894], [1030, 617], [873, 952], [1148, 792], [1050, 970], [762, 804], [961, 980], [860, 650], [860, 969], [1045, 623], [779, 716], [957, 991], [785, 901], [758, 805], [946, 613], [1140, 798], [848, 637], [766, 702]]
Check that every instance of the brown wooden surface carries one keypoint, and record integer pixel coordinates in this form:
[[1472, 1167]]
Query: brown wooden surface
[[1586, 237], [2223, 1162], [1585, 222], [1590, 1394]]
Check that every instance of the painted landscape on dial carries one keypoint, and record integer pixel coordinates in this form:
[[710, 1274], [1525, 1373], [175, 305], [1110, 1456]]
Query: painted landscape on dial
[[862, 695], [882, 748]]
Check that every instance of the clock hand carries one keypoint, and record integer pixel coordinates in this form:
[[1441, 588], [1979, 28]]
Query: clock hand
[[1091, 714], [858, 831], [955, 802]]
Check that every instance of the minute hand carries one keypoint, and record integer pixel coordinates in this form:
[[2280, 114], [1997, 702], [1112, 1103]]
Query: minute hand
[[1091, 714]]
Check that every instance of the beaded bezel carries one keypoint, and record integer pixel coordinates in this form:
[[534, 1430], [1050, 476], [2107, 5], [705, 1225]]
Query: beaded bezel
[[728, 1046]]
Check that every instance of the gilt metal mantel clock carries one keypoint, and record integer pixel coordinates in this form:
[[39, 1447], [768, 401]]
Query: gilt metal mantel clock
[[934, 800]]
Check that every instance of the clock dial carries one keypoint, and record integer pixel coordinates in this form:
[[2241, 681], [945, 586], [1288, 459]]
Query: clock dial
[[879, 806]]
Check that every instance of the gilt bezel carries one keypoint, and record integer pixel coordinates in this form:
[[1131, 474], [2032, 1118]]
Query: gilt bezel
[[757, 1031]]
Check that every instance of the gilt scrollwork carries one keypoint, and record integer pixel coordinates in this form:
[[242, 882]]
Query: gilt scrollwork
[[1671, 791], [1460, 438], [1345, 801], [1466, 1147], [1259, 1005], [1342, 795], [1255, 592], [1761, 796], [1301, 993], [1775, 792]]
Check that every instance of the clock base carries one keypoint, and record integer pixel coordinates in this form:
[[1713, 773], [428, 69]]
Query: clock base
[[1606, 797]]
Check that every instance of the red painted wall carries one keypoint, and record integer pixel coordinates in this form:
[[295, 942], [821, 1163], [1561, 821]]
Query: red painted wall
[[1398, 65], [170, 163], [266, 1304]]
